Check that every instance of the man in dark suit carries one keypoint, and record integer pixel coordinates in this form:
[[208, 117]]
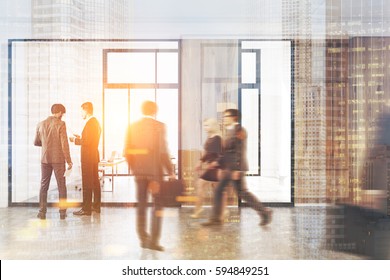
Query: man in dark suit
[[51, 136], [147, 154], [89, 142], [234, 163]]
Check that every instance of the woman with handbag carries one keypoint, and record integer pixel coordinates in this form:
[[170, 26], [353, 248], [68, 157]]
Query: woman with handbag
[[208, 166]]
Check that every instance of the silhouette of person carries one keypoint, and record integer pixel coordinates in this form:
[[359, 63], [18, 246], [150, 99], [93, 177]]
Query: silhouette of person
[[147, 155], [51, 136], [209, 159], [89, 142], [234, 163]]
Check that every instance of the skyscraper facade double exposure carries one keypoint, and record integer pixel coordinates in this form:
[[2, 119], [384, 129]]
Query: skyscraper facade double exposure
[[358, 96], [80, 19]]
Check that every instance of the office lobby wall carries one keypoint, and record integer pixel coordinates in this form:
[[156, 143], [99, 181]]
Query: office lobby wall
[[331, 20]]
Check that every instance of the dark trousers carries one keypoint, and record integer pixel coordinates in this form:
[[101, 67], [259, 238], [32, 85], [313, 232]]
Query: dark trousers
[[156, 218], [46, 171], [91, 186], [242, 193]]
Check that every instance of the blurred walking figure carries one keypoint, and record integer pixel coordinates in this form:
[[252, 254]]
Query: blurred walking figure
[[52, 137], [235, 165], [208, 165], [146, 152], [89, 142]]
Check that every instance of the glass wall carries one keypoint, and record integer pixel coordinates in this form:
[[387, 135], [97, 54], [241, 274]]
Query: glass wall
[[253, 76], [45, 73], [71, 73]]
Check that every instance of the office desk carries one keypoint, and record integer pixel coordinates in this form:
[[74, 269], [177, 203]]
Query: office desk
[[114, 165]]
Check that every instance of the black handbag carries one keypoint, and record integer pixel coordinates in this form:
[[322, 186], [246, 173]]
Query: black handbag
[[211, 174], [171, 193]]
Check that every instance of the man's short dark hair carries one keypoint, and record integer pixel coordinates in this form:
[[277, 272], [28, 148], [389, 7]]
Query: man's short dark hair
[[149, 108], [58, 108], [88, 107], [233, 113]]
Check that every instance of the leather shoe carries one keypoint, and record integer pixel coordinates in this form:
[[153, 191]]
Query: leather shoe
[[212, 222], [148, 244], [82, 212], [41, 216], [266, 217], [155, 247]]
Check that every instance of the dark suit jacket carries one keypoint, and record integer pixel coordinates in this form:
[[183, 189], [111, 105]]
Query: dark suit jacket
[[146, 149], [234, 149], [51, 136], [89, 142]]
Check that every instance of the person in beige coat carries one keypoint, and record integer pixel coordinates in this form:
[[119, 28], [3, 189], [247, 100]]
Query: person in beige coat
[[52, 137], [234, 164]]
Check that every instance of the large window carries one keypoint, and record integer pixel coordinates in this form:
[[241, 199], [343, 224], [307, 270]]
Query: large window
[[133, 76], [265, 99]]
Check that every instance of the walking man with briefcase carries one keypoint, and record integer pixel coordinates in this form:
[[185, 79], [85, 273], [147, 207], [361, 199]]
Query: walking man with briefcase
[[147, 155]]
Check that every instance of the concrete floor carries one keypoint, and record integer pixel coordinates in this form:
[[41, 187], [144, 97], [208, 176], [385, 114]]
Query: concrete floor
[[295, 233]]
